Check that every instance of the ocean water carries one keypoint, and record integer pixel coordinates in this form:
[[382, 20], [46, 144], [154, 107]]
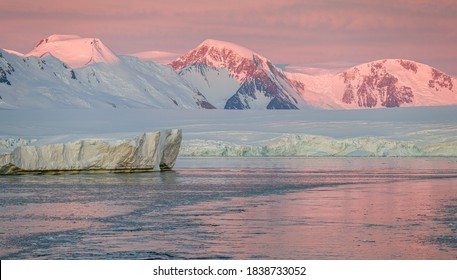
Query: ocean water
[[237, 208]]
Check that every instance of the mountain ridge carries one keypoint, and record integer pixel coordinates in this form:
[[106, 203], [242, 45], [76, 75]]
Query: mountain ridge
[[215, 74], [47, 82], [380, 84]]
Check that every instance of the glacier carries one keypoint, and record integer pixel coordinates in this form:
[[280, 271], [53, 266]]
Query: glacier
[[395, 132], [150, 151], [303, 145]]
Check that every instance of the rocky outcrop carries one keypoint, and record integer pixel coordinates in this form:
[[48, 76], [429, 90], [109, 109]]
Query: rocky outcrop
[[377, 86], [148, 152]]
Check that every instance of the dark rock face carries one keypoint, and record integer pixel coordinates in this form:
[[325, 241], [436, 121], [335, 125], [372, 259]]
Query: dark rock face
[[202, 102], [73, 75], [276, 104], [348, 95], [235, 103], [205, 104], [365, 94], [377, 87], [408, 65], [3, 77], [5, 69], [440, 80], [393, 95]]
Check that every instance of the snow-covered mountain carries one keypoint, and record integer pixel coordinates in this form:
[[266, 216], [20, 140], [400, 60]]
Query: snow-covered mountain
[[395, 83], [107, 80], [377, 84], [234, 77], [70, 71], [74, 50]]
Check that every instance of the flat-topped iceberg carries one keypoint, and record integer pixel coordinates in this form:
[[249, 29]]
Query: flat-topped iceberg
[[150, 151]]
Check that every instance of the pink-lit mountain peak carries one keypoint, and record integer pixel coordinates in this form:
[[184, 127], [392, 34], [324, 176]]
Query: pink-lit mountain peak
[[241, 62], [74, 50], [260, 83], [224, 46], [57, 38]]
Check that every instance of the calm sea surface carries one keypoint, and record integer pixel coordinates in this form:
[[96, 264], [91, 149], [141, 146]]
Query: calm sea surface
[[237, 208]]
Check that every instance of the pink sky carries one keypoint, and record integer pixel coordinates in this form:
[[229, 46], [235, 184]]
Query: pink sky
[[298, 32]]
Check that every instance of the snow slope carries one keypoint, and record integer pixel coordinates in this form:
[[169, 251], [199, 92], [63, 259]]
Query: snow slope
[[160, 57], [47, 82], [216, 84]]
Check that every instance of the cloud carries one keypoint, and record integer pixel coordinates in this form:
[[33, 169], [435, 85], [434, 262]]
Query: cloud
[[287, 31]]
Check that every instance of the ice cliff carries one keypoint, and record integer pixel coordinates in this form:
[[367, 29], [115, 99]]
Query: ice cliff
[[150, 151], [288, 145]]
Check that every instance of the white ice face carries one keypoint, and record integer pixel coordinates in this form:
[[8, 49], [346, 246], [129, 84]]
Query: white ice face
[[296, 145], [150, 151]]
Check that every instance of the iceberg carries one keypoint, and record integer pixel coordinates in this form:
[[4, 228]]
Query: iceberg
[[150, 151]]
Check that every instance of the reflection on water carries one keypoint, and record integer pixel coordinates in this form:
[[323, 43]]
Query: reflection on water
[[356, 222], [288, 208]]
